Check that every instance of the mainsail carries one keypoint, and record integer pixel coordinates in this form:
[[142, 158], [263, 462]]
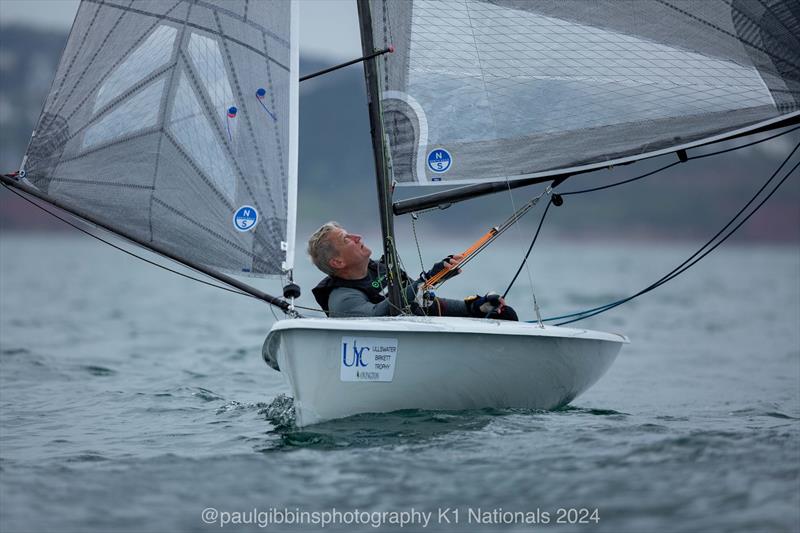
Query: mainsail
[[489, 90], [175, 122]]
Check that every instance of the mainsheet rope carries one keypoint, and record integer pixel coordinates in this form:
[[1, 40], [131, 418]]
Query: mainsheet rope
[[699, 254], [499, 230]]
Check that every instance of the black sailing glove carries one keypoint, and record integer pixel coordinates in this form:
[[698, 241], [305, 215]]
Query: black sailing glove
[[438, 267], [491, 305]]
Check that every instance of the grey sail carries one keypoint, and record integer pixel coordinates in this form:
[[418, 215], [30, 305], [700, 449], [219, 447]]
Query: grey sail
[[175, 121], [489, 90]]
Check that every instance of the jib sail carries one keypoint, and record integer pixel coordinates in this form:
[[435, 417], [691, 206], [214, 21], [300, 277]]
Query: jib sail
[[176, 123]]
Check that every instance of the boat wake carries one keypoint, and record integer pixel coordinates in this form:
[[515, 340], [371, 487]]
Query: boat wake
[[404, 427], [280, 412]]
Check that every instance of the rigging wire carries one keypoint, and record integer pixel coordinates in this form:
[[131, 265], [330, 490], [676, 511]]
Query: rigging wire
[[528, 253], [593, 189], [309, 308], [677, 271], [416, 240], [699, 254], [623, 182], [503, 227], [490, 236], [731, 149], [121, 249], [525, 264], [701, 156]]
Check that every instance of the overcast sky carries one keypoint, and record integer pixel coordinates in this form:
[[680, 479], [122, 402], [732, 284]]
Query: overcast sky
[[329, 28]]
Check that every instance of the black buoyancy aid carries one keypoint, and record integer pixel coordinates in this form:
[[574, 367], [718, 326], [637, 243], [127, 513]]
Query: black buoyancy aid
[[373, 284]]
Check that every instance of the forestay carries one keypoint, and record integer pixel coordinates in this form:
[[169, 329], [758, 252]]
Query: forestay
[[487, 90], [176, 122]]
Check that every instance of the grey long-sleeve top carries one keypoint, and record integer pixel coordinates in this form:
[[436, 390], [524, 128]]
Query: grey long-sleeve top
[[346, 302]]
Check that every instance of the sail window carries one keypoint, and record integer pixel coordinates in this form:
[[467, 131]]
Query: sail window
[[207, 59], [191, 128], [138, 112], [152, 54]]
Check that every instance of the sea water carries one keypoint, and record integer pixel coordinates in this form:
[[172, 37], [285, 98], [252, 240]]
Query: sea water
[[132, 399]]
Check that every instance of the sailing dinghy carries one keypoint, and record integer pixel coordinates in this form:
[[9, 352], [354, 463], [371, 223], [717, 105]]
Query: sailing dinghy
[[174, 125], [342, 367]]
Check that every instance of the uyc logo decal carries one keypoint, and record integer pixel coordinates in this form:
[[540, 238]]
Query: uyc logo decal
[[367, 358], [357, 355]]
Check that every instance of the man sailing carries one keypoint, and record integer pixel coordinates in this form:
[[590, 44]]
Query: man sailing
[[355, 284]]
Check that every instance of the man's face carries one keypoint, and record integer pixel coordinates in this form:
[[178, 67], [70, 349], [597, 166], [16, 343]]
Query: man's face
[[350, 249]]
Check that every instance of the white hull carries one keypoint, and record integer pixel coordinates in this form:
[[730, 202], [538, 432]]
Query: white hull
[[440, 363]]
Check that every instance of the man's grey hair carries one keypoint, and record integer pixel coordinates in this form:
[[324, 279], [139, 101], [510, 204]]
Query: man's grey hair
[[321, 249]]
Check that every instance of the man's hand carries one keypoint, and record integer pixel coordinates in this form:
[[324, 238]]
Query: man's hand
[[491, 305], [449, 263]]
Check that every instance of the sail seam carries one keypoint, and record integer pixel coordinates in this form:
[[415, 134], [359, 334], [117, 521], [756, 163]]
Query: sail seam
[[208, 181], [607, 78], [196, 26], [166, 105], [229, 242], [197, 169], [481, 69], [200, 91], [76, 54], [744, 15], [386, 32], [277, 133], [248, 122], [726, 32], [113, 68], [91, 61], [769, 10], [105, 110], [779, 45], [101, 183], [252, 24], [153, 188], [392, 134], [118, 140]]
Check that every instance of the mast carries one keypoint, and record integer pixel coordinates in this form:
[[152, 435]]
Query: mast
[[378, 148], [228, 280]]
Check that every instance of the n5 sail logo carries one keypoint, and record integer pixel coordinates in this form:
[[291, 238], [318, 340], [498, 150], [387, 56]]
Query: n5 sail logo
[[439, 160], [245, 218], [367, 359]]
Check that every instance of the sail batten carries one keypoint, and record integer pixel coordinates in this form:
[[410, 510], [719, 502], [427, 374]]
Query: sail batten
[[486, 90], [170, 122]]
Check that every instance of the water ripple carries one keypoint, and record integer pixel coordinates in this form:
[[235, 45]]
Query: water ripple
[[100, 371]]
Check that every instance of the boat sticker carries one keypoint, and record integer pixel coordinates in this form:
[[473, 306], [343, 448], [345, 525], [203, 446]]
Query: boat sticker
[[245, 218], [367, 359], [439, 160]]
